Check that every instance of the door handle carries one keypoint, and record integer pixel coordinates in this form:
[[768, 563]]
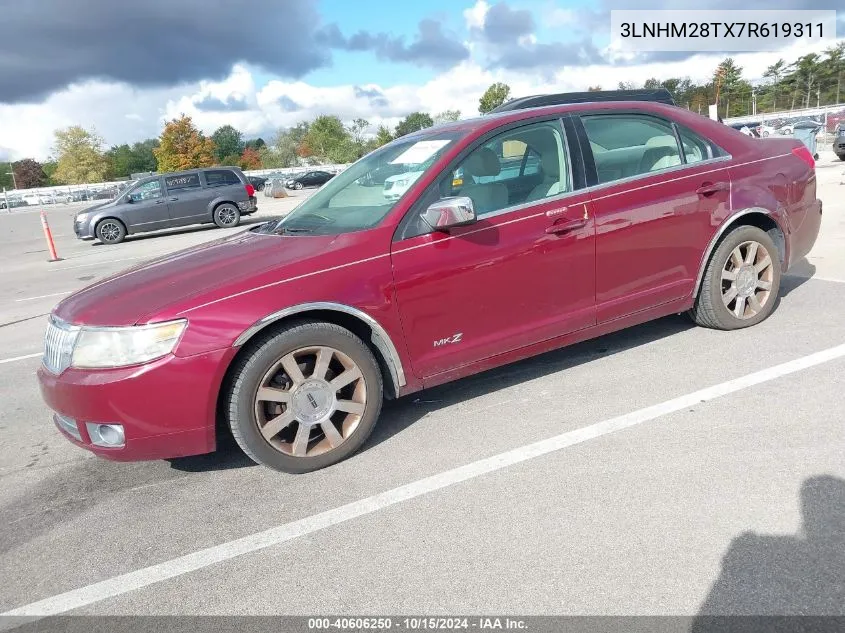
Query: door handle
[[709, 188], [159, 201], [173, 199], [566, 226]]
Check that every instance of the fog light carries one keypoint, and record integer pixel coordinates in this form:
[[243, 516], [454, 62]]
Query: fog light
[[108, 435], [68, 425]]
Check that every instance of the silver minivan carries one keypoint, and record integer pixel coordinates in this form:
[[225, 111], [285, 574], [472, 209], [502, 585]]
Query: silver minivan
[[218, 195]]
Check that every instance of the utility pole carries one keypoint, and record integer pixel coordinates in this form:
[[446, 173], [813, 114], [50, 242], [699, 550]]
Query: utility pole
[[12, 174], [753, 102], [818, 97]]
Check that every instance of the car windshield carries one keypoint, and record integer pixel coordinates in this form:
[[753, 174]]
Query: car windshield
[[362, 195]]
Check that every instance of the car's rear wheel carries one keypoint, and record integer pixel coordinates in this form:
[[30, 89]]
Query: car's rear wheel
[[741, 283], [110, 231], [304, 397], [226, 215]]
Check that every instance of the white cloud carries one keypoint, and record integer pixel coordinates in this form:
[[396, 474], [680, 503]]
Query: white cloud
[[122, 114], [559, 17], [474, 16]]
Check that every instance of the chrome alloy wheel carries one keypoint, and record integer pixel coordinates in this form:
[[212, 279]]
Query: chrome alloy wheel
[[747, 278], [227, 216], [109, 231], [310, 401]]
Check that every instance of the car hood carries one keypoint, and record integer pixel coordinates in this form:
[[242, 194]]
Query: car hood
[[97, 207], [184, 278]]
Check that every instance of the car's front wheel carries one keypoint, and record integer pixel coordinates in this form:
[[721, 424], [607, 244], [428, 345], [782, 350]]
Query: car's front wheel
[[297, 185], [304, 397], [110, 231], [741, 282]]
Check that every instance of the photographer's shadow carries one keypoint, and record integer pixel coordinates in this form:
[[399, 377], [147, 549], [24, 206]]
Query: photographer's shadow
[[784, 575]]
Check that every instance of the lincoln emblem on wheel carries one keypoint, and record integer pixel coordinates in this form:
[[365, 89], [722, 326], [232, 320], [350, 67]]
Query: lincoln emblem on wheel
[[444, 253]]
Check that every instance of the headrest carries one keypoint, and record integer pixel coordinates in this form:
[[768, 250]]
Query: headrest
[[482, 162]]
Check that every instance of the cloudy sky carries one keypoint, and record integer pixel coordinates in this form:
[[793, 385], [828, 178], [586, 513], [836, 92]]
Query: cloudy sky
[[125, 67]]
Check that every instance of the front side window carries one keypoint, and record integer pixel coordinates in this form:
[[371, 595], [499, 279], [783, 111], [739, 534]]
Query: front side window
[[521, 165], [182, 182], [626, 145], [362, 195], [146, 191], [221, 178]]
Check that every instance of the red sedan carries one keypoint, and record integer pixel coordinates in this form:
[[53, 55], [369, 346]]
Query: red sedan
[[517, 233]]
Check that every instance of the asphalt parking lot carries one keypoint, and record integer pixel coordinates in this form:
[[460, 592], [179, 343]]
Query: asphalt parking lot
[[662, 470]]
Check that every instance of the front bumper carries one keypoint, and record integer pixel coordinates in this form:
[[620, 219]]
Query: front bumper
[[167, 407], [83, 230]]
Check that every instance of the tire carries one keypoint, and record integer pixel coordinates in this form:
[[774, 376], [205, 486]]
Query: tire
[[263, 365], [226, 215], [841, 156], [717, 305], [297, 185], [110, 231]]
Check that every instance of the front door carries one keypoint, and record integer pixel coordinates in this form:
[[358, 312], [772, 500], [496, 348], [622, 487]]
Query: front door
[[187, 199], [145, 207], [523, 273], [654, 203]]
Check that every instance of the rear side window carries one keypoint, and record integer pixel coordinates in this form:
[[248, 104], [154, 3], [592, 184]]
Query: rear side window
[[221, 177], [627, 145], [696, 149], [182, 182]]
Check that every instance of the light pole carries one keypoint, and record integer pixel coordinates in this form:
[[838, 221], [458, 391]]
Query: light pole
[[12, 174]]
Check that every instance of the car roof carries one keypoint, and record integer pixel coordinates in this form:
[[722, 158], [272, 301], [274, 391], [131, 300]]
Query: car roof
[[496, 119]]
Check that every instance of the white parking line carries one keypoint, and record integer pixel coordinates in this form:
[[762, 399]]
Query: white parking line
[[55, 294], [16, 358], [147, 576]]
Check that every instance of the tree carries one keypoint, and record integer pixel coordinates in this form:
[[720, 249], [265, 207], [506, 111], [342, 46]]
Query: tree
[[447, 115], [29, 173], [232, 160], [356, 130], [594, 89], [229, 142], [413, 123], [728, 74], [79, 156], [328, 139], [627, 85], [49, 170], [255, 143], [493, 97], [775, 72], [284, 150], [250, 159], [183, 146]]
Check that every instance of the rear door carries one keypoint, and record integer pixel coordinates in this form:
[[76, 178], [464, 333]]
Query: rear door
[[187, 199], [654, 205]]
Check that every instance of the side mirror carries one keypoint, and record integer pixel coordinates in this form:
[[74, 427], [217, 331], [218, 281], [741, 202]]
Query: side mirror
[[130, 199], [449, 212]]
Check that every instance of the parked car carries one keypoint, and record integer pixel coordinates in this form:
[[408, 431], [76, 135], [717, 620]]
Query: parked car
[[258, 182], [219, 195], [839, 140], [309, 179], [765, 131], [32, 199], [292, 333]]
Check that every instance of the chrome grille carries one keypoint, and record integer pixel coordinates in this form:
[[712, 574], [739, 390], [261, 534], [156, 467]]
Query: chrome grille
[[58, 345]]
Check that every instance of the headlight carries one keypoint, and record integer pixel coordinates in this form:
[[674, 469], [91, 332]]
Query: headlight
[[82, 217], [400, 183], [121, 346]]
